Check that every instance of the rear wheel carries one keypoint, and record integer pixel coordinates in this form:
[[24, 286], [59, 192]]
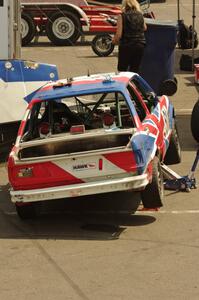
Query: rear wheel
[[63, 28], [194, 121], [26, 211], [28, 29], [173, 154], [102, 44], [153, 194]]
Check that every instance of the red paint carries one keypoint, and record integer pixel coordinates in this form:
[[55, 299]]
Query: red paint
[[123, 160], [45, 174]]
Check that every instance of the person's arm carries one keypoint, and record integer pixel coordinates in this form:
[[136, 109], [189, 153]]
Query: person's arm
[[118, 33]]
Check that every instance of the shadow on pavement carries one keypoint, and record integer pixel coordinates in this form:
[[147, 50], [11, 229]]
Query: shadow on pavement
[[99, 217], [187, 141]]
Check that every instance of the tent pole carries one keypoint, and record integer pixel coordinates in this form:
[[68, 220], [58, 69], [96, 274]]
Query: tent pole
[[178, 9]]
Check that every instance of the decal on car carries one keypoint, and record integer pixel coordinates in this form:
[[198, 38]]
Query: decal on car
[[82, 167]]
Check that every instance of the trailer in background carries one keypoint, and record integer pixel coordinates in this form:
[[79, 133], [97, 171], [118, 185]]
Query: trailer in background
[[63, 21], [18, 79]]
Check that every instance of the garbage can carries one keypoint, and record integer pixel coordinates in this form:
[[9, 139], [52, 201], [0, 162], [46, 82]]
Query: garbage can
[[157, 66]]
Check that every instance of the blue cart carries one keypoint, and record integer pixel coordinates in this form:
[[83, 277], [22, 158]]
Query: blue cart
[[157, 66]]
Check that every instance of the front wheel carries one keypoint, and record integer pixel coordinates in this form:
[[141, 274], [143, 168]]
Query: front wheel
[[102, 44], [194, 121], [153, 194], [63, 28]]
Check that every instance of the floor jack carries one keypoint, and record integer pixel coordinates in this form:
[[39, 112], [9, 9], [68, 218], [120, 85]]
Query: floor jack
[[173, 181]]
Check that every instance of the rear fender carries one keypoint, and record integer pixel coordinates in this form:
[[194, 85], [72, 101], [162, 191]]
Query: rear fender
[[144, 148]]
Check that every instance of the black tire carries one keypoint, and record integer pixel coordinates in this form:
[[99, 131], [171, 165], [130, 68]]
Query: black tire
[[102, 45], [173, 154], [63, 28], [27, 211], [28, 29], [168, 87], [194, 121], [152, 196]]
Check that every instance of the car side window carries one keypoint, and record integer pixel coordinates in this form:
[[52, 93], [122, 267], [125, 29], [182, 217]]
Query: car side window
[[141, 111], [148, 96]]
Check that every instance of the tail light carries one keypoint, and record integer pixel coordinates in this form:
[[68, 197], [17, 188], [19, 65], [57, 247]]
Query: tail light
[[76, 129]]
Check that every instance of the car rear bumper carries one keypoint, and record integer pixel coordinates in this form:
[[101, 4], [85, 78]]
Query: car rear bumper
[[134, 182]]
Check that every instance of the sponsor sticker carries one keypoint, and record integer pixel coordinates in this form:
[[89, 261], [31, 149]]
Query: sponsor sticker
[[83, 167]]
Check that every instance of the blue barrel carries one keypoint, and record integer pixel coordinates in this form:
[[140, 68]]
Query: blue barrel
[[157, 66]]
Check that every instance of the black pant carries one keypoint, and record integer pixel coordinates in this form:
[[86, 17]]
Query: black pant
[[129, 57]]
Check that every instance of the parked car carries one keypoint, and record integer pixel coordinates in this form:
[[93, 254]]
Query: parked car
[[89, 135]]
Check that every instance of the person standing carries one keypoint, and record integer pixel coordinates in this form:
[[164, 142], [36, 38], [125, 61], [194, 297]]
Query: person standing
[[130, 36]]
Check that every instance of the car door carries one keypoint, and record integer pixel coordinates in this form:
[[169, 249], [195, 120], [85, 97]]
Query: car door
[[159, 114], [153, 114]]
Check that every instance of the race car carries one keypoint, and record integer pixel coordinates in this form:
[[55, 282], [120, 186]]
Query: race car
[[89, 135]]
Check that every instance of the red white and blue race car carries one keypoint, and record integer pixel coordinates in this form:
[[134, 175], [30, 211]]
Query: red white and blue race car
[[89, 135]]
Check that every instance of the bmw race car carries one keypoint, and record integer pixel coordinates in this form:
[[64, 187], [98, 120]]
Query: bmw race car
[[89, 135]]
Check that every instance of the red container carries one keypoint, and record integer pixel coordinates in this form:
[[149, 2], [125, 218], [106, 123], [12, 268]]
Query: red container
[[196, 73]]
